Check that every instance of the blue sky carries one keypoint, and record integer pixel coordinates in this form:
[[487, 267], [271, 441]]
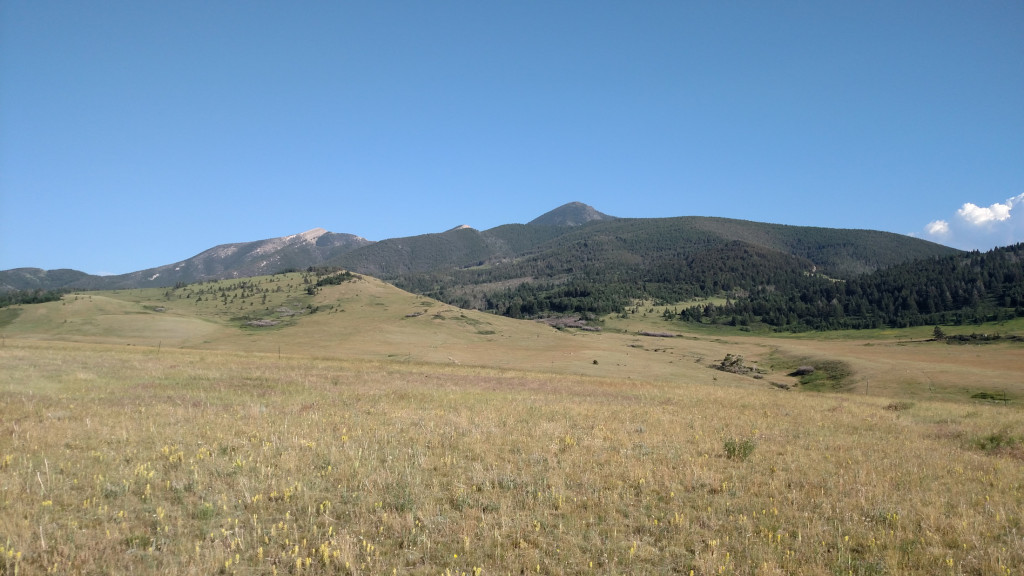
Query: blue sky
[[139, 133]]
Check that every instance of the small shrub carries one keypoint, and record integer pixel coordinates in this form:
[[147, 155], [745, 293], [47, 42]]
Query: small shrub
[[734, 364], [739, 449], [827, 375], [899, 406], [990, 397], [996, 441]]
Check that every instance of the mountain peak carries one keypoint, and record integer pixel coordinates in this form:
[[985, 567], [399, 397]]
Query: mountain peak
[[571, 214], [308, 235]]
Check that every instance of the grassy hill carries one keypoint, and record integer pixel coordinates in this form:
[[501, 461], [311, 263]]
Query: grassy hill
[[289, 314], [331, 458], [363, 318], [283, 424]]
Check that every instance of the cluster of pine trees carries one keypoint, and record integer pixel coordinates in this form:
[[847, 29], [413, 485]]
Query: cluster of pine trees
[[962, 289], [15, 297], [576, 297]]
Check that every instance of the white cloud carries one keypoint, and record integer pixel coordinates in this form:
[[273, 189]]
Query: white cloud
[[979, 216], [976, 227], [998, 212], [937, 228]]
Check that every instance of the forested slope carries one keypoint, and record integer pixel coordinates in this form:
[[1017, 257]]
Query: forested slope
[[963, 288], [602, 266]]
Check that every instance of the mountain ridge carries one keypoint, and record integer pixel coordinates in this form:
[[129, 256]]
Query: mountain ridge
[[232, 260], [553, 241], [598, 267]]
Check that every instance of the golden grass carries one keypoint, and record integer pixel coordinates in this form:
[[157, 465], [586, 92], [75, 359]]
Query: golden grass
[[121, 460], [372, 320], [363, 319]]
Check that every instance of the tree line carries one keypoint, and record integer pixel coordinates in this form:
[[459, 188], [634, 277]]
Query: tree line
[[16, 297], [968, 288]]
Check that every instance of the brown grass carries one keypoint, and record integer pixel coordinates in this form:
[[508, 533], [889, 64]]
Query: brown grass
[[372, 320], [122, 460]]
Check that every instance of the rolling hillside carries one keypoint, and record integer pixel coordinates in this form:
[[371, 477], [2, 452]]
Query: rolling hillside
[[359, 318], [303, 314], [354, 423]]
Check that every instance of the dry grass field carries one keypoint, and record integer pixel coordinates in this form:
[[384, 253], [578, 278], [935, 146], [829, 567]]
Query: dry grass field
[[141, 432]]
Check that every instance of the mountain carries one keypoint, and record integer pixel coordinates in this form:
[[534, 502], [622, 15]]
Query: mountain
[[575, 260], [464, 246], [310, 248], [602, 265], [26, 279], [571, 214], [389, 258], [571, 259], [245, 259], [576, 238]]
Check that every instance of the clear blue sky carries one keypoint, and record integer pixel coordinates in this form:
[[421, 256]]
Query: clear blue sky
[[139, 133]]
